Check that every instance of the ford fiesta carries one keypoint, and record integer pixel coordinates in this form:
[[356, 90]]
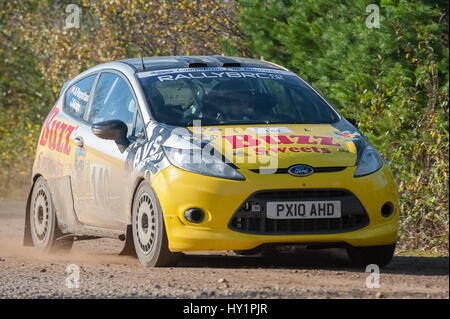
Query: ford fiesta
[[206, 153]]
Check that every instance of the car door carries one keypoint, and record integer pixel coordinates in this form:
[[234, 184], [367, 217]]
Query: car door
[[103, 201], [74, 105]]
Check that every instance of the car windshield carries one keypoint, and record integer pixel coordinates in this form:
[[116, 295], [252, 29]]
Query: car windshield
[[226, 96]]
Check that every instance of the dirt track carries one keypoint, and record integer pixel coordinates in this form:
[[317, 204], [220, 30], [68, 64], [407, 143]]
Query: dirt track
[[307, 274]]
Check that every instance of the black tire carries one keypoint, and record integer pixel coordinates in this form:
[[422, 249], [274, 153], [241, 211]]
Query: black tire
[[378, 255], [149, 232], [43, 223]]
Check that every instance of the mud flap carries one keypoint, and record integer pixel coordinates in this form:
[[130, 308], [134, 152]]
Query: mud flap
[[128, 248], [27, 240], [61, 191]]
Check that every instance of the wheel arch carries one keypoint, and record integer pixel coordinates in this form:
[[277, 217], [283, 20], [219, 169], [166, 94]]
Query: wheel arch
[[134, 187]]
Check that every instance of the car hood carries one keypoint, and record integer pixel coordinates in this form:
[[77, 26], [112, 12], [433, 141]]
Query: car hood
[[281, 146]]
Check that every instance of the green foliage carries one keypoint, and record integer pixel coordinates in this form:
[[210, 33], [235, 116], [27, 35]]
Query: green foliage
[[23, 104], [394, 80]]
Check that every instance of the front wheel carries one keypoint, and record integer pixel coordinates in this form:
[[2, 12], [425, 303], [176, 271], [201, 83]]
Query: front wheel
[[149, 233], [43, 223], [378, 255]]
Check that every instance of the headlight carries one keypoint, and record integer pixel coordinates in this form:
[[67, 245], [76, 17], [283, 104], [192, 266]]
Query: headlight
[[202, 162], [371, 161]]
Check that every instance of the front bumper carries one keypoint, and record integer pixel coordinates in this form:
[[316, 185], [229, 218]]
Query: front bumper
[[179, 191]]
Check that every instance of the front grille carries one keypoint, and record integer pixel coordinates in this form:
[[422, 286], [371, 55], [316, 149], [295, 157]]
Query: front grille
[[330, 169], [353, 214]]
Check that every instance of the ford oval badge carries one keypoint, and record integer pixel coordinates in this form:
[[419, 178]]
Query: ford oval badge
[[300, 170]]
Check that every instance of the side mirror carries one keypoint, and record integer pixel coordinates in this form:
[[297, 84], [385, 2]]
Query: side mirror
[[112, 130], [353, 122]]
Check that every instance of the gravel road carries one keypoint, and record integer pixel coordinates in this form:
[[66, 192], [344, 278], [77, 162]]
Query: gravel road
[[103, 274]]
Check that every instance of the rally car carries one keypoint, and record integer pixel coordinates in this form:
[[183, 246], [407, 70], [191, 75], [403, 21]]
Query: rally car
[[177, 154]]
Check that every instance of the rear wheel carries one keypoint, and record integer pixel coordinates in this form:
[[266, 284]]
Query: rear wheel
[[43, 223], [149, 233], [378, 255]]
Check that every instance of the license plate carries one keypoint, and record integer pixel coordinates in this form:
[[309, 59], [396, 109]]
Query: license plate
[[306, 210]]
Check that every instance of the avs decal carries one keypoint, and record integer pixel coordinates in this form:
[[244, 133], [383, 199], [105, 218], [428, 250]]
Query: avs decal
[[56, 133], [149, 156]]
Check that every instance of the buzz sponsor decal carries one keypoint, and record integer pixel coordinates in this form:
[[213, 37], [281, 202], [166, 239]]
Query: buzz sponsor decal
[[56, 133], [267, 144]]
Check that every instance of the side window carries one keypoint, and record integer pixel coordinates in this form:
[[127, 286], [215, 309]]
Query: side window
[[77, 96], [113, 100]]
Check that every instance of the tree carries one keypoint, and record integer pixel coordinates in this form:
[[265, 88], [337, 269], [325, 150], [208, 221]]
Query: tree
[[39, 53], [394, 79], [23, 103]]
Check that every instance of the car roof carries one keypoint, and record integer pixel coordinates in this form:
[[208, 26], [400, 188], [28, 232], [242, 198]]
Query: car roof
[[175, 62], [137, 65]]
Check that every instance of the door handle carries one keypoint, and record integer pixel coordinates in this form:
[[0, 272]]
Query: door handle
[[79, 141]]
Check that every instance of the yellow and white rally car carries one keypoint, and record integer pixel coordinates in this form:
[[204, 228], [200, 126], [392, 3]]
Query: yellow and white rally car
[[178, 154]]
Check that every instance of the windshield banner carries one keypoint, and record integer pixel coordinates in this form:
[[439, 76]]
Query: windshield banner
[[216, 72]]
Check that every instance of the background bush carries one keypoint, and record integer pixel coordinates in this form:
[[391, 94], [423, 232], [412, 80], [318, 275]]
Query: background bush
[[393, 79]]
